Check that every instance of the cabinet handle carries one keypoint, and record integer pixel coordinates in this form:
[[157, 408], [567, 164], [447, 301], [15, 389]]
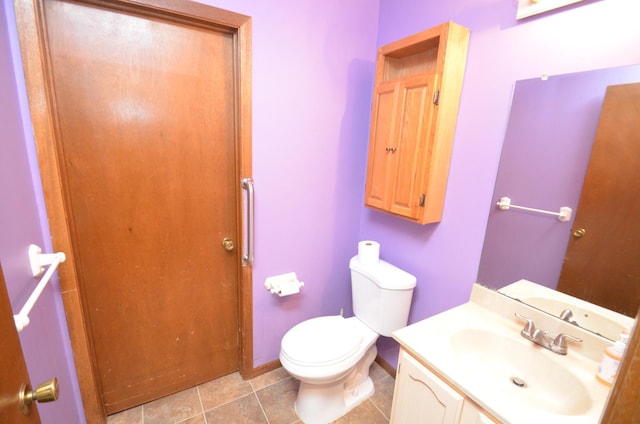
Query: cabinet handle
[[390, 149]]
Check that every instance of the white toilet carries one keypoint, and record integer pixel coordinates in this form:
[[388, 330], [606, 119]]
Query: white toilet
[[331, 355]]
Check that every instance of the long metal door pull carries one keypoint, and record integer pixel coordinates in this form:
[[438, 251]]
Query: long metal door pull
[[247, 184]]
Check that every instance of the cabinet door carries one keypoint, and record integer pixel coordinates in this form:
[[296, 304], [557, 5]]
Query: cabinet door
[[399, 148], [421, 397], [410, 153], [473, 414], [381, 140]]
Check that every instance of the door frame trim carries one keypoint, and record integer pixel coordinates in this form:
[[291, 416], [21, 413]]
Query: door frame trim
[[32, 38]]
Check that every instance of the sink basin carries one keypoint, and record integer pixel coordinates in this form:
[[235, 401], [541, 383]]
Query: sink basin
[[521, 370], [477, 349]]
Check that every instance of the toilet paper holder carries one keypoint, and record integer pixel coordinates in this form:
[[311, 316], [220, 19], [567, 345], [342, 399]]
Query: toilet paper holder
[[283, 285]]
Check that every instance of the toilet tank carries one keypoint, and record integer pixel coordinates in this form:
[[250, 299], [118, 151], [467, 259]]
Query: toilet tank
[[381, 295]]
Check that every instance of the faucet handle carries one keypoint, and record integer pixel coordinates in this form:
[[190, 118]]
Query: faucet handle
[[560, 343], [529, 328], [566, 314]]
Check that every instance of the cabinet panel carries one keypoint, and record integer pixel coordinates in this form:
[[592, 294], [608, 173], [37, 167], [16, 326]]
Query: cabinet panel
[[473, 414], [382, 130], [415, 107], [421, 397]]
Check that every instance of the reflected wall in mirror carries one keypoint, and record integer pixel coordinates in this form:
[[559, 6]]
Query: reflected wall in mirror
[[545, 156]]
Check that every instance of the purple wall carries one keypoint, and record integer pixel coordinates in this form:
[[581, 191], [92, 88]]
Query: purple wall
[[313, 67], [552, 123], [45, 341], [445, 256]]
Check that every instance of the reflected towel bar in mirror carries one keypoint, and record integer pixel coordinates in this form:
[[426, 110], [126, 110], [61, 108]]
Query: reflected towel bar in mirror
[[564, 215]]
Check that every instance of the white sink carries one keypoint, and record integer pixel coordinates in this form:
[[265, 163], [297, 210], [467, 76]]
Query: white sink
[[477, 348], [521, 370]]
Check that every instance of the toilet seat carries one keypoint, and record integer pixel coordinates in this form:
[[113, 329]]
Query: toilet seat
[[321, 341]]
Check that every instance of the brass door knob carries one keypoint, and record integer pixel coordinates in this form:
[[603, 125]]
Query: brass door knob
[[45, 392], [580, 232], [228, 244]]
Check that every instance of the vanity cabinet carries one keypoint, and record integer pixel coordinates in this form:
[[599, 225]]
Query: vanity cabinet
[[415, 106], [420, 396]]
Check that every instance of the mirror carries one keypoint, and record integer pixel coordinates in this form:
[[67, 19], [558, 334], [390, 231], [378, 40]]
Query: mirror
[[544, 160]]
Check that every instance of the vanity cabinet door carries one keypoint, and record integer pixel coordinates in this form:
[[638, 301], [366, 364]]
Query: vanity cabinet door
[[421, 397], [473, 414]]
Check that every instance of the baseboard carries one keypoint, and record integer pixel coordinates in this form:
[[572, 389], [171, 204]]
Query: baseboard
[[385, 366], [262, 369], [270, 366]]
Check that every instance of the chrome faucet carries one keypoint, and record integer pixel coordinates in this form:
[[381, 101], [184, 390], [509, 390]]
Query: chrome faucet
[[556, 345]]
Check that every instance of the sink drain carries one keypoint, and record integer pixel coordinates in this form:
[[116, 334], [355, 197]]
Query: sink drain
[[518, 382]]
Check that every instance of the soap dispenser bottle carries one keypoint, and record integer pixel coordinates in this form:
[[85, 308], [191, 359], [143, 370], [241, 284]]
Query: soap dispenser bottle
[[611, 358]]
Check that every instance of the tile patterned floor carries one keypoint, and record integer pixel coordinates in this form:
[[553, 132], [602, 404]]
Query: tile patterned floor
[[266, 399]]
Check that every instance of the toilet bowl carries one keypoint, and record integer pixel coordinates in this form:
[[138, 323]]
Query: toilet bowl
[[331, 355]]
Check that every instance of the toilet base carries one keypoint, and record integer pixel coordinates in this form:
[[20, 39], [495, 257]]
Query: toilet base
[[323, 403], [318, 406]]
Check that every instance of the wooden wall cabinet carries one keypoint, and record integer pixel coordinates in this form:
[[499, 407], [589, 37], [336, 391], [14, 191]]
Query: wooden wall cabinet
[[420, 396], [415, 106]]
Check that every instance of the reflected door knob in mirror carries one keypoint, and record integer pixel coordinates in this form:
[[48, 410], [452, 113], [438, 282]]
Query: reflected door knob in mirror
[[228, 244], [579, 233]]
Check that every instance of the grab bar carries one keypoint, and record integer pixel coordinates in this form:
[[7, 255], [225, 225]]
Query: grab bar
[[564, 215], [38, 261], [247, 184]]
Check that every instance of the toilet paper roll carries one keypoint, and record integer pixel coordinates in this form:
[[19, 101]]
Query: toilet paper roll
[[289, 288], [369, 252]]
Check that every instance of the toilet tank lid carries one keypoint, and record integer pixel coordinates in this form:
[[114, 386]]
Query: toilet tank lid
[[384, 274]]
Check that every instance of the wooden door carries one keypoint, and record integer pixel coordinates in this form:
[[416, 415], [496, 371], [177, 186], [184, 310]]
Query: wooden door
[[624, 398], [145, 109], [12, 366], [602, 265]]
